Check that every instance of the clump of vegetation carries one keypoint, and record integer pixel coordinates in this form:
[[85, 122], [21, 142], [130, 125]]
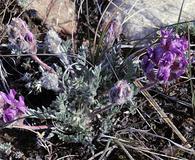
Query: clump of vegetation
[[89, 100]]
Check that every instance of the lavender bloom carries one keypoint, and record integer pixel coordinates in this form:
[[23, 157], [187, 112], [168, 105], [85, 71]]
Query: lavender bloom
[[121, 93], [166, 36], [9, 98], [148, 67], [178, 68], [166, 33], [29, 37], [163, 74], [21, 37], [179, 63], [155, 54], [9, 114], [147, 64], [178, 46], [20, 105], [166, 61], [12, 107]]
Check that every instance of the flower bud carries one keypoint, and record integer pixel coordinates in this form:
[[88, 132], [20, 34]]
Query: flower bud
[[121, 93], [20, 36]]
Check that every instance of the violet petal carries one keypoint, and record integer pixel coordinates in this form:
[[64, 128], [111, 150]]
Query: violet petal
[[9, 114], [20, 105]]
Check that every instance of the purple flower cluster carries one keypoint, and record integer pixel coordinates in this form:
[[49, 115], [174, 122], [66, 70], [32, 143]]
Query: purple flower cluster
[[166, 61], [11, 107], [21, 37]]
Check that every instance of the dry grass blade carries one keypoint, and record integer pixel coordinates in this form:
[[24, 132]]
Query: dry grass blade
[[149, 151], [124, 149], [100, 153], [162, 114], [145, 132], [105, 150], [98, 25], [179, 17]]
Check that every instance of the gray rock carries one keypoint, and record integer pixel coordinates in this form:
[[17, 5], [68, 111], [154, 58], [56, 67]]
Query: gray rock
[[146, 16], [59, 14]]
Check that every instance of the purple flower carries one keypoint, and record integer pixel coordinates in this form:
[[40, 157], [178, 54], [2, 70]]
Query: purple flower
[[29, 37], [178, 68], [9, 98], [166, 61], [179, 63], [147, 65], [166, 36], [163, 74], [166, 33], [12, 108], [178, 46], [20, 36], [184, 43], [120, 93], [9, 114], [20, 105], [156, 53]]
